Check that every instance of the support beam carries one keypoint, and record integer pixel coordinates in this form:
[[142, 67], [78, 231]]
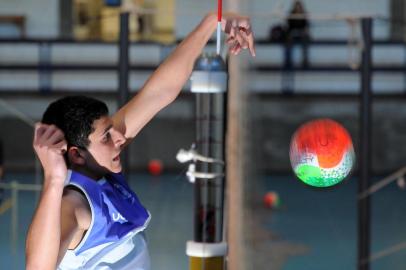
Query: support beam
[[364, 210], [123, 75]]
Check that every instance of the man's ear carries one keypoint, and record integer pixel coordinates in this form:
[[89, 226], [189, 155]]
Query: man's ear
[[76, 156]]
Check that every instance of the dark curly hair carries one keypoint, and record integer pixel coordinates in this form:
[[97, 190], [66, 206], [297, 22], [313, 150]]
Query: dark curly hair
[[75, 115]]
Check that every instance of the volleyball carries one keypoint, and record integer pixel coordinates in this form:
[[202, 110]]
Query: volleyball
[[321, 153]]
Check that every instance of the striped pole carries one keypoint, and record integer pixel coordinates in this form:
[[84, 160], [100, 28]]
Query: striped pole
[[219, 15]]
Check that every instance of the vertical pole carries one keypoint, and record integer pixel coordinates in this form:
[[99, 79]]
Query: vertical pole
[[210, 143], [45, 71], [14, 222], [123, 74], [66, 19], [209, 82], [365, 148]]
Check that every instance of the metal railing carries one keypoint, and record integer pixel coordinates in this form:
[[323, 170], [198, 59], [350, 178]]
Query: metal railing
[[12, 204], [45, 66]]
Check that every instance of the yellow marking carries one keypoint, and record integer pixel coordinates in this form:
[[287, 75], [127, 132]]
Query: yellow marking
[[5, 206]]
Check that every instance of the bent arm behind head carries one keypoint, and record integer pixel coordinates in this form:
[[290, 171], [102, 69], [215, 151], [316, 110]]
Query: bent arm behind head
[[55, 220]]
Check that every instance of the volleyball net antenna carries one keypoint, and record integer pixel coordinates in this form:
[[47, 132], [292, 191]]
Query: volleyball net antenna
[[243, 222]]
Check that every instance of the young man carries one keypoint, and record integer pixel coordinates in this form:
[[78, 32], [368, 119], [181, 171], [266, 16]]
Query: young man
[[87, 216]]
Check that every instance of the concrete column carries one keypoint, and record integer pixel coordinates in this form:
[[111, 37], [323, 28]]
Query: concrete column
[[397, 14]]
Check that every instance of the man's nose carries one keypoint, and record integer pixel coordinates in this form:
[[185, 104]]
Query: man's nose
[[118, 137]]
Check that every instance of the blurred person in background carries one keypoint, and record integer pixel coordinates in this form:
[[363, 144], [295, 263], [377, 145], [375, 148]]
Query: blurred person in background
[[297, 30]]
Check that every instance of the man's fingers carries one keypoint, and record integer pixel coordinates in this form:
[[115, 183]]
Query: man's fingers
[[246, 31], [228, 27], [245, 37], [230, 41], [249, 39], [239, 28], [235, 48], [232, 47], [244, 41], [38, 131], [240, 39], [251, 44], [57, 141], [61, 147], [57, 137], [50, 130], [48, 135], [251, 47], [244, 23]]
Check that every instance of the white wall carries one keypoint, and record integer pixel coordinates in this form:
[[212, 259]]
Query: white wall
[[42, 17], [261, 13]]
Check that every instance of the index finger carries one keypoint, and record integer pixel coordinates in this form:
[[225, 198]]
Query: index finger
[[249, 38], [39, 130], [251, 45], [245, 27]]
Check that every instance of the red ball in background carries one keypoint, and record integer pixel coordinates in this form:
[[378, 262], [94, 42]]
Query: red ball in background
[[155, 167], [271, 199]]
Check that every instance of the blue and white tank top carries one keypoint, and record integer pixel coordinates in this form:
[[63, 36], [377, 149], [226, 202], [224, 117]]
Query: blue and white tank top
[[115, 238]]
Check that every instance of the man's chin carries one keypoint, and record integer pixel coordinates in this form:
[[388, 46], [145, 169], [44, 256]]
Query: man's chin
[[117, 168]]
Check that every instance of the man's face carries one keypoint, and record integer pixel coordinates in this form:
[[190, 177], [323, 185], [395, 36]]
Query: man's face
[[105, 146]]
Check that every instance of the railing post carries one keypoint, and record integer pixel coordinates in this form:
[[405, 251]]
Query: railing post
[[14, 222], [45, 70], [123, 75], [364, 210]]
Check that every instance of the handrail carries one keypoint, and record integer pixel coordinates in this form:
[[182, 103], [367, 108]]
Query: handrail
[[326, 68], [399, 174], [74, 67], [260, 41], [15, 185], [45, 65], [331, 42], [73, 41], [151, 67], [383, 182]]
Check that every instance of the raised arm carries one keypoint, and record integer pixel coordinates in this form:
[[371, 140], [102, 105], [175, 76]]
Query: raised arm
[[167, 81]]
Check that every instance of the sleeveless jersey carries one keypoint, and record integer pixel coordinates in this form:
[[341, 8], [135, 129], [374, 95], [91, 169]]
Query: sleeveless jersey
[[115, 238]]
